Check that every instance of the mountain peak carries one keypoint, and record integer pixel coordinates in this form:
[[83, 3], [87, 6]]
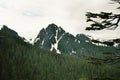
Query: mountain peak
[[5, 29], [54, 38], [49, 38], [57, 39], [52, 25]]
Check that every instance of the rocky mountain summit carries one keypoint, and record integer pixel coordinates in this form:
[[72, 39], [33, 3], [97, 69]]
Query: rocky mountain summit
[[55, 38]]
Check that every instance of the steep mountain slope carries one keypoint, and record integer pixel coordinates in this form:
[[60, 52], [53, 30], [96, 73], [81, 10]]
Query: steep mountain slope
[[56, 39], [49, 38]]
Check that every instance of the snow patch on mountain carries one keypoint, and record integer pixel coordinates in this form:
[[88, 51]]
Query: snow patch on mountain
[[43, 42], [1, 26], [37, 39], [116, 44], [86, 41], [31, 41], [75, 40], [52, 47], [56, 44], [73, 52], [78, 41], [98, 44], [57, 39], [51, 36], [26, 41]]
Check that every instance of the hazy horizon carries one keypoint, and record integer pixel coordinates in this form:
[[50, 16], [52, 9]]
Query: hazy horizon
[[28, 17]]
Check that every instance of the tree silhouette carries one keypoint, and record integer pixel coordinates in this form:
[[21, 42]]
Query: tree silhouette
[[100, 21], [106, 20], [103, 20]]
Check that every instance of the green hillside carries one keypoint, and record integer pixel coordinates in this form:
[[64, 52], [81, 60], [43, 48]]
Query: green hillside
[[22, 61]]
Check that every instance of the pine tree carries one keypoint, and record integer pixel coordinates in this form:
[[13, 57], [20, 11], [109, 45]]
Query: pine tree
[[100, 21], [105, 20]]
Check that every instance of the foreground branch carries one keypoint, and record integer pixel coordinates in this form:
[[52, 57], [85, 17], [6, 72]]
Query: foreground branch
[[102, 20]]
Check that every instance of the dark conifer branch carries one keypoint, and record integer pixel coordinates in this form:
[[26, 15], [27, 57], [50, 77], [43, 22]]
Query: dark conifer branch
[[105, 20]]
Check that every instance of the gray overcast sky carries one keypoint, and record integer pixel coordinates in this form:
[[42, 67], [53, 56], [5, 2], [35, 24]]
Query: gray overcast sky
[[28, 17]]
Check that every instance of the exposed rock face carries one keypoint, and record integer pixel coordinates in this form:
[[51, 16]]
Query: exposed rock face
[[54, 37]]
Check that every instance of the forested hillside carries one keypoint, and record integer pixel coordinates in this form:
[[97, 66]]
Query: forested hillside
[[22, 61], [91, 52]]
